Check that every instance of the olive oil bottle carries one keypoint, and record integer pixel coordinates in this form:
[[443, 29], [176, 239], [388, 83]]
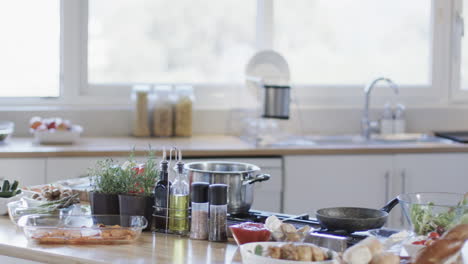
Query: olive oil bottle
[[179, 202], [161, 193]]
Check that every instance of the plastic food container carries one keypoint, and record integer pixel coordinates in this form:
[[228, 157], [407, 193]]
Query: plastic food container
[[82, 229], [58, 136], [6, 129]]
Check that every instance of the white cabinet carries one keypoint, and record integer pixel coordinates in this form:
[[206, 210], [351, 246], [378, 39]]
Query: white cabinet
[[28, 171], [314, 182], [446, 172], [68, 168]]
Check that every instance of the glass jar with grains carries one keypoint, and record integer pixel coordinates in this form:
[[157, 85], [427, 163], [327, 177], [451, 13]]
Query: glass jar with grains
[[140, 110], [183, 111], [163, 111]]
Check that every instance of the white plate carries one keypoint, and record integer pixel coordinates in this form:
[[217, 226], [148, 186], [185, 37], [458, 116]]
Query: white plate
[[58, 137], [248, 257], [269, 66]]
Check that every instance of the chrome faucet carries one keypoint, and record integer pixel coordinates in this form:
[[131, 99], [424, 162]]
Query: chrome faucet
[[368, 126]]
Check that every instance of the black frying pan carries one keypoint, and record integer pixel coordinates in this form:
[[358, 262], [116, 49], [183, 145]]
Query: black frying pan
[[353, 219]]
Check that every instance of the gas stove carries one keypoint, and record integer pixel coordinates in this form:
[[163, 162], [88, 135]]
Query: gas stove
[[298, 221]]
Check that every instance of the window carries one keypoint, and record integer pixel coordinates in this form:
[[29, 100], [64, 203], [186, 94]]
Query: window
[[150, 41], [30, 48], [85, 49], [345, 42]]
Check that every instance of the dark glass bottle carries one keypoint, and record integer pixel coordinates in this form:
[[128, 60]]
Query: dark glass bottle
[[161, 199]]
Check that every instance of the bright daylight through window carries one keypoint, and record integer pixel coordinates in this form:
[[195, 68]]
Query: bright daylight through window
[[30, 48], [202, 41], [345, 43]]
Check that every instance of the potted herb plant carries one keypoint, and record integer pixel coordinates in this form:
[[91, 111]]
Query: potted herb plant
[[139, 180], [107, 185]]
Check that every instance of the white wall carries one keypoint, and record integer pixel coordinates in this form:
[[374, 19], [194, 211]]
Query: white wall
[[116, 121]]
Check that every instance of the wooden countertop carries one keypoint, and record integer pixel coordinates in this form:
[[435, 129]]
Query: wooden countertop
[[149, 248], [205, 146]]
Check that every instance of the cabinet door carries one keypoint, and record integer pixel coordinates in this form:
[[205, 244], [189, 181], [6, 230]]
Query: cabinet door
[[27, 171], [69, 168], [314, 182], [447, 172]]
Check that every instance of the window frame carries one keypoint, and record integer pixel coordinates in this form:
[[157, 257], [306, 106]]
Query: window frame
[[75, 90], [457, 95]]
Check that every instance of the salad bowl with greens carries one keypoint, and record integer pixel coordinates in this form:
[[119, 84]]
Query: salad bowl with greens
[[433, 211]]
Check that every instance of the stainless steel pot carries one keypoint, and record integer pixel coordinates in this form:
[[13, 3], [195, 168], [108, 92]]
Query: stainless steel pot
[[240, 178]]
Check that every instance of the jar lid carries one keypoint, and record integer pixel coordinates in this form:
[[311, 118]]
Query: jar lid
[[200, 192], [218, 194]]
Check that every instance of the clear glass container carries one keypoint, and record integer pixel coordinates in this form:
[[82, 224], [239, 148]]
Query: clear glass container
[[218, 212], [199, 224], [163, 111], [183, 111], [141, 110], [82, 229], [218, 223], [179, 202]]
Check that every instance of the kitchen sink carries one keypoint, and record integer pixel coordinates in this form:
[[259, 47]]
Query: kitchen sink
[[314, 140]]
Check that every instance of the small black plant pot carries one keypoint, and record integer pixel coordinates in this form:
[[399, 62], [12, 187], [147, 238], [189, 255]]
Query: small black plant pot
[[104, 204], [137, 205]]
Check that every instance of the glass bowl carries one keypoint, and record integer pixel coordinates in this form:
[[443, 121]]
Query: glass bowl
[[6, 129], [432, 211], [20, 208]]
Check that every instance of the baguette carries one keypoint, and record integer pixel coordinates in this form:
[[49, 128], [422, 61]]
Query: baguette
[[439, 251], [459, 232]]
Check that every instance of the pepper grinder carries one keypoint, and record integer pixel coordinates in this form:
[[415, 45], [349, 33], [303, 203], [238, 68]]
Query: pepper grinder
[[218, 212], [199, 224]]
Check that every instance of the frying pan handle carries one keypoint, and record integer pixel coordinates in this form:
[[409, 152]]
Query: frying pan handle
[[259, 178], [389, 206]]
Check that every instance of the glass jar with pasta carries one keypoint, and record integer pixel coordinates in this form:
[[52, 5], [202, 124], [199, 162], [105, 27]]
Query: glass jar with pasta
[[183, 111]]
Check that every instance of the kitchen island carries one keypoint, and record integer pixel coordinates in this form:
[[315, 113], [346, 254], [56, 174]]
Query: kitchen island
[[149, 248]]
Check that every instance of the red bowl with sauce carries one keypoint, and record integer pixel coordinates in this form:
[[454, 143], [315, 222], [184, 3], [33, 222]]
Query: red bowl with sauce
[[250, 232]]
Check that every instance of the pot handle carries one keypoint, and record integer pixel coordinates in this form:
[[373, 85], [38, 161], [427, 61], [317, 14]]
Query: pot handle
[[388, 207], [258, 178]]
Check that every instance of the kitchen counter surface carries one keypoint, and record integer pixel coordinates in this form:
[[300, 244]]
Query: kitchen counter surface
[[149, 248], [206, 146]]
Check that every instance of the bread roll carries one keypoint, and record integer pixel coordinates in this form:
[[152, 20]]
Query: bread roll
[[385, 258], [373, 244], [460, 232], [439, 251], [357, 254]]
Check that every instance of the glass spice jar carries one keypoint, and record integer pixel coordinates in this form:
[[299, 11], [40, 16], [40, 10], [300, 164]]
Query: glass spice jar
[[199, 224], [140, 114], [183, 111], [218, 212], [163, 111]]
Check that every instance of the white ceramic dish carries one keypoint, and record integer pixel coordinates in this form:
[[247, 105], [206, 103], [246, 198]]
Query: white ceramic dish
[[58, 137], [248, 257], [268, 66]]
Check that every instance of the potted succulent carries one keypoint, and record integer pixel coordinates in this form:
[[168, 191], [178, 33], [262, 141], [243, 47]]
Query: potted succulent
[[138, 181], [107, 185]]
